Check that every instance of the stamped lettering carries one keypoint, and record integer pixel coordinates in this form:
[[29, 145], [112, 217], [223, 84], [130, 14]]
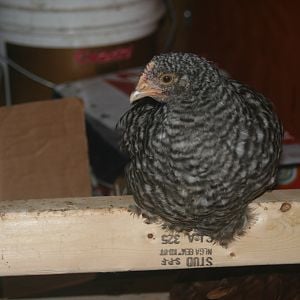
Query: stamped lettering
[[191, 257]]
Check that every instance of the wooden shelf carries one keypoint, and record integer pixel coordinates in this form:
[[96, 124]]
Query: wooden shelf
[[74, 235]]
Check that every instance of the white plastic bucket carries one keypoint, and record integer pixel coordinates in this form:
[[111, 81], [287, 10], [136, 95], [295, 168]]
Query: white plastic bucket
[[77, 23], [65, 40]]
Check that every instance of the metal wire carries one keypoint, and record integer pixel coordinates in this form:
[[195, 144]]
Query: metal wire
[[27, 73]]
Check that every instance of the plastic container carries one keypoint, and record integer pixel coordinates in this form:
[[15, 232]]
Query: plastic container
[[63, 40], [77, 23]]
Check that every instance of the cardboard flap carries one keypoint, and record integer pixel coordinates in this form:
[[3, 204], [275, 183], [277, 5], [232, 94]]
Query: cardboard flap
[[43, 150]]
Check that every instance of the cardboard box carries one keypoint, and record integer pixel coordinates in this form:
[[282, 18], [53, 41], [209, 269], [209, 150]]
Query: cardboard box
[[43, 150], [106, 99]]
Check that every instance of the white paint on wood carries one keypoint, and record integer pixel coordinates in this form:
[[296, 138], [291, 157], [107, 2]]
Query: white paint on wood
[[52, 236]]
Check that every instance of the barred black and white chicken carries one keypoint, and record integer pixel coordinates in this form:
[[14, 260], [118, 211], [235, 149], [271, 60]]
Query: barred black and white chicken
[[201, 146]]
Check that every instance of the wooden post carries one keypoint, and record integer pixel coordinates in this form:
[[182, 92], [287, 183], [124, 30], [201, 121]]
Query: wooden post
[[51, 236]]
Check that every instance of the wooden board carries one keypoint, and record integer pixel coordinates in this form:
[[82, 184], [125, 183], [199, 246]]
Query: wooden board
[[52, 236]]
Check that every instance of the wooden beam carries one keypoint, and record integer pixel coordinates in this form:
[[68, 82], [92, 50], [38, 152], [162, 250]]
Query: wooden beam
[[51, 236]]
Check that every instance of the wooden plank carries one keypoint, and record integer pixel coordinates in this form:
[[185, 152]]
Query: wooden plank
[[51, 236]]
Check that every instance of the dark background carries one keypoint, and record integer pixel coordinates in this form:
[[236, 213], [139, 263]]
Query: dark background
[[256, 41]]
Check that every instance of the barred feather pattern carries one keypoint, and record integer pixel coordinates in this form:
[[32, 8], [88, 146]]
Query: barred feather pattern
[[198, 164]]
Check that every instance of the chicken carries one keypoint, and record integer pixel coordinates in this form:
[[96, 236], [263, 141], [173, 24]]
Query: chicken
[[201, 146]]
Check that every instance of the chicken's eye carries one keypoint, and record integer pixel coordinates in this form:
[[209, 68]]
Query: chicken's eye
[[166, 79]]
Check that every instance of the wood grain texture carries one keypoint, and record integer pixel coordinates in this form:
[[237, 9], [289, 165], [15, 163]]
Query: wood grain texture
[[52, 236]]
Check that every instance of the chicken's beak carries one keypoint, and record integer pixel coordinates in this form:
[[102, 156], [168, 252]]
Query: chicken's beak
[[144, 89]]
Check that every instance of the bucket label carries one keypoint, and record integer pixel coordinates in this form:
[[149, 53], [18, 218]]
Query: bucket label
[[100, 56]]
